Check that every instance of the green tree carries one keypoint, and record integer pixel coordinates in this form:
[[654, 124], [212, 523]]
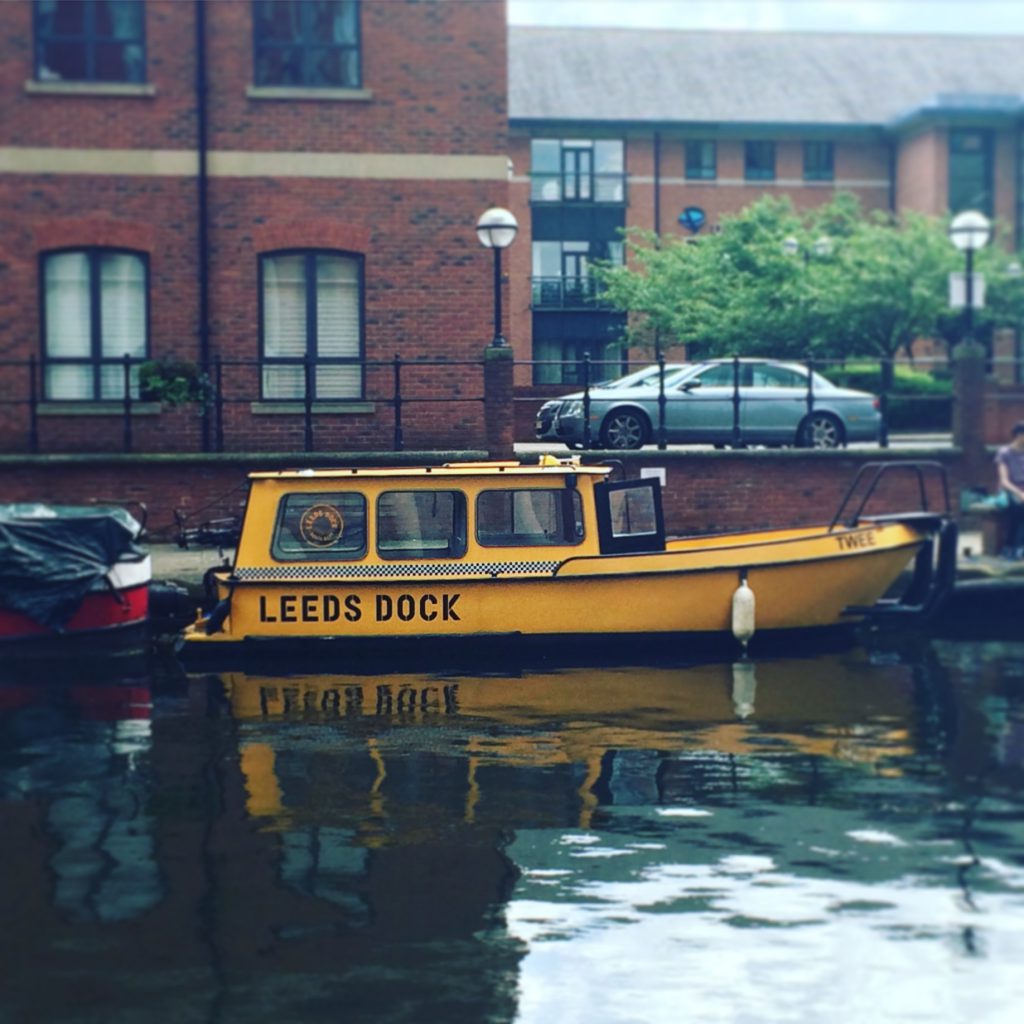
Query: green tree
[[733, 291], [830, 283], [887, 287]]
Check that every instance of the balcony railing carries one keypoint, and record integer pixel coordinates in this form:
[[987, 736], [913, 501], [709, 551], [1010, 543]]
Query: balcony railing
[[599, 187], [566, 293]]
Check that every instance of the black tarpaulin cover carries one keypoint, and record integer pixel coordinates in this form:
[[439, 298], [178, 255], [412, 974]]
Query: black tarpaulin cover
[[50, 555]]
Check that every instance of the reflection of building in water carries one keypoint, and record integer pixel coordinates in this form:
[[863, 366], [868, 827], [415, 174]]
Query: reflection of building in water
[[134, 876], [291, 835], [84, 762]]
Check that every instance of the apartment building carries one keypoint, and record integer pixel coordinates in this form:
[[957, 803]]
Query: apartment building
[[668, 131], [279, 194]]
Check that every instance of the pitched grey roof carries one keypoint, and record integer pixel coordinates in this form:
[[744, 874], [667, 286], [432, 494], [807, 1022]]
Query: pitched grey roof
[[603, 74]]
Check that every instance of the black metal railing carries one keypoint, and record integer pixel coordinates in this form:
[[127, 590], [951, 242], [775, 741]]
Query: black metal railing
[[903, 409], [583, 188], [582, 292], [395, 383], [392, 391]]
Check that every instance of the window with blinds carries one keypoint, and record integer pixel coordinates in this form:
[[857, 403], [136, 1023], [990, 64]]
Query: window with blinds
[[94, 314], [311, 326]]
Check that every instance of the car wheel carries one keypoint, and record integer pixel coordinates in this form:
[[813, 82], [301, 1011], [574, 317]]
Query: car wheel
[[624, 429], [821, 430]]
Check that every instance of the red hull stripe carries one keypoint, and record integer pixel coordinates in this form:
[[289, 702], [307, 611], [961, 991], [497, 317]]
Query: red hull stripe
[[98, 610]]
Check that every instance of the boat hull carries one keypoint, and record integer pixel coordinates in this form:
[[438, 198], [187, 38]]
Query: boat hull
[[802, 581], [99, 612], [112, 619]]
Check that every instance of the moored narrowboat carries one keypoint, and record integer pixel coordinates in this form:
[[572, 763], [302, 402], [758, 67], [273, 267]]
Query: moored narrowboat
[[72, 578], [371, 561]]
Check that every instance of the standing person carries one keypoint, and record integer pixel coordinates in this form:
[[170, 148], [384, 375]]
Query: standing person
[[1010, 465]]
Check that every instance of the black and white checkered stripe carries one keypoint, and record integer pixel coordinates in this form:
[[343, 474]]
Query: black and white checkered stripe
[[432, 570]]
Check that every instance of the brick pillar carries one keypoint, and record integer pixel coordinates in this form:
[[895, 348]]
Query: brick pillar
[[1004, 355], [969, 413], [499, 410]]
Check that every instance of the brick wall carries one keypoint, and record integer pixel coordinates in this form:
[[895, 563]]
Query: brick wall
[[434, 85], [706, 492], [436, 72], [860, 168], [163, 120], [922, 179]]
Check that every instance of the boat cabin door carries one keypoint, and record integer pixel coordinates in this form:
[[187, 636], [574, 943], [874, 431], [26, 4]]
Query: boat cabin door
[[629, 516]]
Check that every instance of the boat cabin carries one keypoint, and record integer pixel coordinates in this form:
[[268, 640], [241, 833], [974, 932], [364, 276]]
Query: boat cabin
[[460, 513]]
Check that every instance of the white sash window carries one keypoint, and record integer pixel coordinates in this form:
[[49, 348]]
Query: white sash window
[[94, 314], [311, 322]]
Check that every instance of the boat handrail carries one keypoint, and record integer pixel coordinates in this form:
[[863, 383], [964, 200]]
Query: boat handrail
[[878, 470]]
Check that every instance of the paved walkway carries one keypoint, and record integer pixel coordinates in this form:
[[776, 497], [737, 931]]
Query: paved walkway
[[173, 565]]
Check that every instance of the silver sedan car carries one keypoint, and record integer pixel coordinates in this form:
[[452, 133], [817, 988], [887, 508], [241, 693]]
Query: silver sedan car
[[770, 402]]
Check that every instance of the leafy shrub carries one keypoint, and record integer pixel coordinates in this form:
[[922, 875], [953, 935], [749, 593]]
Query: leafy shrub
[[918, 401], [173, 382]]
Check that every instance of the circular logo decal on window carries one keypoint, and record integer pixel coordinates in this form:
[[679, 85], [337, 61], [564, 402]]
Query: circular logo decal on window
[[321, 525]]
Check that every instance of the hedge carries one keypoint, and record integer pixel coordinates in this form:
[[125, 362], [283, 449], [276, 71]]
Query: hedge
[[918, 400]]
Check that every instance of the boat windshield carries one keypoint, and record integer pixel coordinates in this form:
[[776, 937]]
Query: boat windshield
[[421, 524], [321, 526], [524, 518]]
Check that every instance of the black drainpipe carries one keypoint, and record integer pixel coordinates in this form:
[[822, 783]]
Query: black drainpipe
[[1018, 229], [203, 227], [893, 171], [657, 184]]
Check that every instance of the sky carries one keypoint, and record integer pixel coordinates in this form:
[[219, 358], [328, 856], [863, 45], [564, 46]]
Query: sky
[[974, 17]]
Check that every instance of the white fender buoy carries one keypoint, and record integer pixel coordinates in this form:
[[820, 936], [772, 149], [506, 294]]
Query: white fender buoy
[[743, 613]]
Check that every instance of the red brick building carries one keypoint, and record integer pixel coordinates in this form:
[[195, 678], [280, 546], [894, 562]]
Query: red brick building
[[282, 196], [614, 128]]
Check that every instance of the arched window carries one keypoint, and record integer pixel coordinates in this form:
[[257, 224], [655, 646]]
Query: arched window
[[311, 321], [95, 312]]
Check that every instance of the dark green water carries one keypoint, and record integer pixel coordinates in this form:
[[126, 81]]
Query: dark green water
[[838, 837]]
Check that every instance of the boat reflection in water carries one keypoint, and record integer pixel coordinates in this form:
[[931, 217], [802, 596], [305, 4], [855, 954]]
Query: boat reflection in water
[[582, 844], [582, 733]]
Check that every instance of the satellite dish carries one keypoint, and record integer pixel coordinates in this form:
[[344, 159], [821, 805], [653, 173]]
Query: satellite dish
[[693, 219]]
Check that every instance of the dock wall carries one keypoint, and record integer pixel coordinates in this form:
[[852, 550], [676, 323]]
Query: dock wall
[[705, 491]]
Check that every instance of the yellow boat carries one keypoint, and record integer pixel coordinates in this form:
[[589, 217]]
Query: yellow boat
[[466, 555]]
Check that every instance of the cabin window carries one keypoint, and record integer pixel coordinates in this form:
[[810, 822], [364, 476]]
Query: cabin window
[[629, 516], [94, 315], [320, 527], [421, 524], [632, 513], [529, 518]]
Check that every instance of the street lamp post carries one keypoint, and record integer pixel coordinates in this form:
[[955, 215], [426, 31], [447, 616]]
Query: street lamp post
[[496, 230], [969, 231]]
